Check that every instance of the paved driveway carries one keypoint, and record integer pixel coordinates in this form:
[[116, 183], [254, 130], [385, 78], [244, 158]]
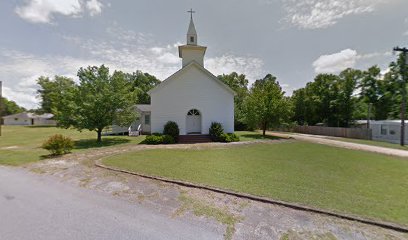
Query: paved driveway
[[34, 207]]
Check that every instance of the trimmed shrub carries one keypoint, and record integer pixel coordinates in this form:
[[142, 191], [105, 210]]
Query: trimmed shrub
[[216, 131], [229, 137], [167, 139], [153, 140], [157, 134], [159, 139], [58, 144], [172, 129]]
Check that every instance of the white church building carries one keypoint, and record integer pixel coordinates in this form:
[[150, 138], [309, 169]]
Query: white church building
[[192, 97]]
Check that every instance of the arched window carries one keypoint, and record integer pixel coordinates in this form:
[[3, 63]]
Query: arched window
[[193, 112]]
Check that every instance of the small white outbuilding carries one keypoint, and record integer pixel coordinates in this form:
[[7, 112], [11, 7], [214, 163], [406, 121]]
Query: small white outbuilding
[[388, 130], [29, 119]]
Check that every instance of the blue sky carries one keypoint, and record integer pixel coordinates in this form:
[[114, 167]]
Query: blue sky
[[292, 39]]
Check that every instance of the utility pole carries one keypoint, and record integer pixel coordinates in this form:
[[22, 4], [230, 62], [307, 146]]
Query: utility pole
[[404, 79], [369, 115]]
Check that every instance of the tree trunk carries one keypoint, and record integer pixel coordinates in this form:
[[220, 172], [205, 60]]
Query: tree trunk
[[264, 129], [99, 131]]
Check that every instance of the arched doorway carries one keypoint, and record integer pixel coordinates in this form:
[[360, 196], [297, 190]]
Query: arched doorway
[[193, 122]]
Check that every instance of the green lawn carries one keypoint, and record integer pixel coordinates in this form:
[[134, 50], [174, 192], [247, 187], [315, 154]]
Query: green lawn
[[341, 180], [22, 144], [372, 143], [246, 136]]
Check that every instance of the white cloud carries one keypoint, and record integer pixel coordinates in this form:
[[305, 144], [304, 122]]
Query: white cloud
[[94, 7], [42, 11], [127, 51], [337, 62], [21, 70], [314, 14], [250, 66]]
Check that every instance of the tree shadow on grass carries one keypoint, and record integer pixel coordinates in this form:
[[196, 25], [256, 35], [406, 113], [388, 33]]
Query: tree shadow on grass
[[41, 126], [260, 137], [92, 143]]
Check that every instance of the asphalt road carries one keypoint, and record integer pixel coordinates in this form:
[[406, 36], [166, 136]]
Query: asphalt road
[[35, 207]]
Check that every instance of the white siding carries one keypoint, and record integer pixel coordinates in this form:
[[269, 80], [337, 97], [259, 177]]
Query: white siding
[[193, 89], [391, 131], [17, 121], [190, 55], [44, 122]]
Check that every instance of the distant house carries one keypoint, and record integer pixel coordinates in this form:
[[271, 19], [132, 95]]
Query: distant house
[[388, 130], [29, 119]]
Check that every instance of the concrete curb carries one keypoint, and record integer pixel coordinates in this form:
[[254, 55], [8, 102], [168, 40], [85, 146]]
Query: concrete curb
[[381, 224]]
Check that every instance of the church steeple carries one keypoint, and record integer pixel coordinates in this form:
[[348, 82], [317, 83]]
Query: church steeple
[[191, 33], [192, 52]]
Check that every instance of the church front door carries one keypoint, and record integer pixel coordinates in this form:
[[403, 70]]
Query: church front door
[[193, 122]]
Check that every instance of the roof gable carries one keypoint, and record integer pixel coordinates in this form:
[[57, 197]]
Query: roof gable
[[28, 115], [186, 68]]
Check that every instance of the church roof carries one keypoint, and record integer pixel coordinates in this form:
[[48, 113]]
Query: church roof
[[192, 47], [27, 115], [190, 65], [143, 107]]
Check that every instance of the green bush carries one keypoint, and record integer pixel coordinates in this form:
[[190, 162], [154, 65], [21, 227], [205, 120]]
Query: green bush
[[216, 131], [58, 144], [167, 139], [229, 137], [153, 140], [172, 129], [159, 139]]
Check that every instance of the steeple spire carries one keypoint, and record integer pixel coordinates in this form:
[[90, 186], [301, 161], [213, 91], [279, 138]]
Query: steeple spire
[[192, 52], [192, 33]]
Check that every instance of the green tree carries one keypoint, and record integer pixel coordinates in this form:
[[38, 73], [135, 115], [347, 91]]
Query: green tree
[[266, 105], [395, 78], [380, 91], [51, 92], [9, 107], [238, 83], [300, 106], [346, 101], [98, 101], [142, 83]]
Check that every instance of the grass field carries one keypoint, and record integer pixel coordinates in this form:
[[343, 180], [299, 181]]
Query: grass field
[[341, 180], [246, 136], [22, 144]]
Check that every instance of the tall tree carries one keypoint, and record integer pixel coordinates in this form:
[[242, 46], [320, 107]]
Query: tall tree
[[9, 107], [300, 106], [98, 101], [142, 83], [51, 91], [348, 80], [395, 85], [238, 83], [266, 105]]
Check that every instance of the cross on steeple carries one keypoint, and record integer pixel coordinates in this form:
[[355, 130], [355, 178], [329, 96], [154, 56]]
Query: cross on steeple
[[191, 12]]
